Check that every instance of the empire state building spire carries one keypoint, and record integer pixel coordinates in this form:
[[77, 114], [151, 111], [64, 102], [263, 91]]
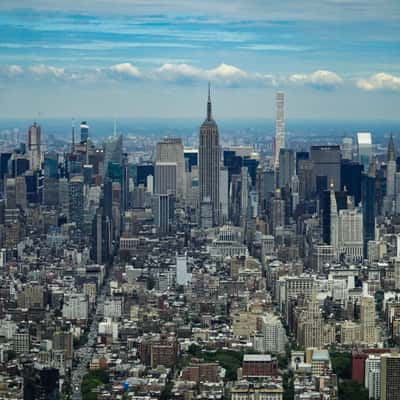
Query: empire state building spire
[[209, 105]]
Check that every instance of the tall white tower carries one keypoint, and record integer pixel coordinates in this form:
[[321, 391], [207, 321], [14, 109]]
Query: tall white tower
[[334, 219], [279, 127], [34, 146]]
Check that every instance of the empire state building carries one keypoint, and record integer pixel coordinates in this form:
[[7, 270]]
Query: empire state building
[[209, 160]]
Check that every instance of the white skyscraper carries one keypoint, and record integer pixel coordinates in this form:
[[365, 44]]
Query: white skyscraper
[[350, 236], [334, 220], [279, 127], [34, 146], [372, 380], [364, 148]]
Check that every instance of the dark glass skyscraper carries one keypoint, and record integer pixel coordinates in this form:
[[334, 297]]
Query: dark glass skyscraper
[[326, 169], [209, 157]]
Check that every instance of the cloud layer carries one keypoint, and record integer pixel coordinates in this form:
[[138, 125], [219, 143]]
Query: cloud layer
[[380, 81], [222, 75]]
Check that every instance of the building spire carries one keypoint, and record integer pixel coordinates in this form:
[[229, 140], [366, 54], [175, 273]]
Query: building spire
[[209, 106], [391, 153]]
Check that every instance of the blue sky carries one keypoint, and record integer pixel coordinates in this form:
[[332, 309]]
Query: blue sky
[[152, 58]]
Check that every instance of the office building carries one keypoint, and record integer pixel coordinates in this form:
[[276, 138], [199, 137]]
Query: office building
[[364, 148], [390, 373], [165, 178], [40, 382], [350, 179], [76, 200], [170, 150], [273, 335], [164, 212], [112, 151], [326, 167], [286, 167], [367, 320], [372, 377], [350, 235], [84, 131], [368, 193], [347, 148], [209, 162], [391, 166]]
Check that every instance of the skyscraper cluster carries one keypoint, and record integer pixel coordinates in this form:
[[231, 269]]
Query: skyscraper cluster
[[134, 265]]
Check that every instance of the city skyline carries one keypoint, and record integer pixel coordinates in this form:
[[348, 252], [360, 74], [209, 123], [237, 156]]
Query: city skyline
[[333, 59]]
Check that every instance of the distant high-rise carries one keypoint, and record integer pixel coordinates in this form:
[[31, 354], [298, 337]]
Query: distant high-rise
[[364, 148], [286, 167], [34, 146], [334, 228], [164, 212], [170, 150], [279, 127], [368, 199], [165, 178], [209, 160], [84, 131], [347, 148], [76, 200], [113, 151], [390, 177], [326, 167]]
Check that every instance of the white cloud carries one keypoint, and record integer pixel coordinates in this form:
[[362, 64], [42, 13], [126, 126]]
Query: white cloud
[[178, 72], [380, 81], [10, 71], [47, 70], [182, 73], [15, 70], [321, 79], [227, 72], [126, 69], [223, 74]]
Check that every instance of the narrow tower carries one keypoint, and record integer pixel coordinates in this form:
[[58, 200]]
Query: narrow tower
[[334, 228], [209, 160], [279, 127]]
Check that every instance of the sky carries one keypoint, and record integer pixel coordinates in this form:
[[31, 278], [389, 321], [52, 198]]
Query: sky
[[334, 59]]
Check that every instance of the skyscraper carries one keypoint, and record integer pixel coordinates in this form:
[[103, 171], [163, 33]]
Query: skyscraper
[[347, 148], [209, 160], [334, 229], [279, 127], [326, 169], [84, 131], [390, 177], [165, 178], [364, 148], [286, 167], [76, 200], [390, 372], [368, 193], [34, 144], [170, 150]]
